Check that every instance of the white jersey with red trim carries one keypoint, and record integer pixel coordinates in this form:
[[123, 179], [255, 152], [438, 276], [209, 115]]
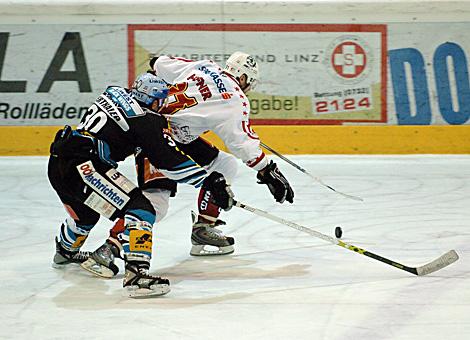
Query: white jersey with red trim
[[204, 98]]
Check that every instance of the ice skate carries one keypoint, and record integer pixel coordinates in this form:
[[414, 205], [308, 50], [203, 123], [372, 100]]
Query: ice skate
[[101, 261], [207, 240], [63, 256], [139, 284]]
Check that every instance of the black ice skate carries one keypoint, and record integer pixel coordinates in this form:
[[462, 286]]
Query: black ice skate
[[208, 240], [63, 256], [138, 283]]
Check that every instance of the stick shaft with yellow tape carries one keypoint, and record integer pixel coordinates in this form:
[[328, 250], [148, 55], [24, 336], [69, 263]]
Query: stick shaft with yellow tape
[[439, 263]]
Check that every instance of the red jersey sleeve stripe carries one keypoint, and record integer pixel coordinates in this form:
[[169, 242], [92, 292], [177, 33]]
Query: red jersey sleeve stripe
[[253, 163]]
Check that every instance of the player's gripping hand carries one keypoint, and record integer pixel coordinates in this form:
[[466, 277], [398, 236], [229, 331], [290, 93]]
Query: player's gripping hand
[[276, 182], [220, 191], [70, 144]]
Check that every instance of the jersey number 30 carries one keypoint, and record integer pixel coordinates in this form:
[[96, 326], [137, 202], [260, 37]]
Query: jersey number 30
[[93, 120]]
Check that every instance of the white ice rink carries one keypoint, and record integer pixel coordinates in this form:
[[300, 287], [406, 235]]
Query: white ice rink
[[280, 283]]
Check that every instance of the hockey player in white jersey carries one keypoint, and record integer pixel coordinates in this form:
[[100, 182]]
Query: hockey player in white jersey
[[204, 96]]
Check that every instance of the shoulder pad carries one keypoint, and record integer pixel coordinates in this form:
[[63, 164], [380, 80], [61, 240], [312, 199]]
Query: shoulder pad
[[124, 100]]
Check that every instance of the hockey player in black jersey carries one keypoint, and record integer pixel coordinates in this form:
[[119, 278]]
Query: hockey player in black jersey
[[82, 170]]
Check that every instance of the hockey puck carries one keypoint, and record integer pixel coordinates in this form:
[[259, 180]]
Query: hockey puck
[[338, 232]]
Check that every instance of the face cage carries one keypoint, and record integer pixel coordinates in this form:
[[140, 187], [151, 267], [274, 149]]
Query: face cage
[[252, 84], [159, 104]]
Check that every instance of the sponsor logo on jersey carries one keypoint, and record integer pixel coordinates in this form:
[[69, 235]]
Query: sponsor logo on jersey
[[101, 185], [120, 97], [125, 101], [226, 95], [216, 77]]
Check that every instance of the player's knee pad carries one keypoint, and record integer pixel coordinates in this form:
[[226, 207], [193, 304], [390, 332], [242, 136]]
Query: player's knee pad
[[159, 198], [73, 235], [226, 164]]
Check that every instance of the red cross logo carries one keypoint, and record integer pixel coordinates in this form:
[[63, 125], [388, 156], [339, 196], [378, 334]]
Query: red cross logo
[[349, 59]]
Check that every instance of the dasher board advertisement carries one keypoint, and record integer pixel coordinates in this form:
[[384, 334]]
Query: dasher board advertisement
[[309, 73], [50, 74]]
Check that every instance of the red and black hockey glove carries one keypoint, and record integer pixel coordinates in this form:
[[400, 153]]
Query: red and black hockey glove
[[219, 189]]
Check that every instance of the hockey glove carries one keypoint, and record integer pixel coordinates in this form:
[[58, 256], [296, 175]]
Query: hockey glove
[[221, 193], [276, 182], [72, 144], [62, 137]]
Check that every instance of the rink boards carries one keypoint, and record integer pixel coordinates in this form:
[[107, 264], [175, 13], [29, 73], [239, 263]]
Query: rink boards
[[334, 78], [35, 140]]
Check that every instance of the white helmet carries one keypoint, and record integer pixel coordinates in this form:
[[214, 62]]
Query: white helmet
[[240, 63]]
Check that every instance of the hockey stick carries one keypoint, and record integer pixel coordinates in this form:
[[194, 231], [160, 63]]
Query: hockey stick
[[356, 198], [439, 263]]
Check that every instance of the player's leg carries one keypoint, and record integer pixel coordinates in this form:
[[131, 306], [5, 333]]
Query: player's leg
[[136, 242], [206, 239], [91, 188], [72, 235], [75, 229], [158, 190], [111, 194]]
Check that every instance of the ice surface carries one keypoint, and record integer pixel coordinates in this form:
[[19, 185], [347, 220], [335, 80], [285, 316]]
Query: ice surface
[[280, 283]]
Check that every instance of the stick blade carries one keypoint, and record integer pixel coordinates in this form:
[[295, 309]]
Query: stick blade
[[439, 263]]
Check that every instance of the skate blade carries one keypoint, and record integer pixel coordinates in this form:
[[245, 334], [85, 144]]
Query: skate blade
[[60, 265], [97, 269], [135, 292], [207, 250]]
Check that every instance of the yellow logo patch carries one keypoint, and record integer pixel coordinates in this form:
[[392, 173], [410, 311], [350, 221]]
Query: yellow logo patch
[[79, 241], [140, 240]]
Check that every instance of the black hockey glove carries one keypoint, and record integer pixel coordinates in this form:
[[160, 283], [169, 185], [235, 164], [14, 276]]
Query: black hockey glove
[[61, 138], [67, 144], [73, 145], [221, 193], [276, 182]]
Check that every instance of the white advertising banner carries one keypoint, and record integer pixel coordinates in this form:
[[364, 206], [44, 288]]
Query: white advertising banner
[[49, 74], [400, 73], [310, 74], [429, 77]]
